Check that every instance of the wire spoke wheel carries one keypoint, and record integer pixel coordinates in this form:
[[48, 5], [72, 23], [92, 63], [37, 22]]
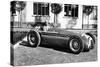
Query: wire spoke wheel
[[34, 38], [75, 45]]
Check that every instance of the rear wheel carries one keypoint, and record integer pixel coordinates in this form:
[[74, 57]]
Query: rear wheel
[[75, 45], [33, 38]]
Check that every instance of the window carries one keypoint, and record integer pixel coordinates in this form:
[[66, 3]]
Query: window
[[40, 8], [89, 17], [71, 10]]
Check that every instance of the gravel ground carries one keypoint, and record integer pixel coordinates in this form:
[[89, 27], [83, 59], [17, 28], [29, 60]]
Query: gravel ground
[[38, 56]]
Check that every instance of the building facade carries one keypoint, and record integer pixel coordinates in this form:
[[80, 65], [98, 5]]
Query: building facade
[[71, 16]]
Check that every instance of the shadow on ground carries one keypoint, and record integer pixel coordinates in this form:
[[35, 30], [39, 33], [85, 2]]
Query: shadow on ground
[[54, 47]]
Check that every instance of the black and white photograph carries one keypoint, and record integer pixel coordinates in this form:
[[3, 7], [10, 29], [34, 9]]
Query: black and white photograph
[[52, 33]]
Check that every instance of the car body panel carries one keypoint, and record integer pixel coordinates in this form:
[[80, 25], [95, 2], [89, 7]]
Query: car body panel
[[61, 37], [58, 37]]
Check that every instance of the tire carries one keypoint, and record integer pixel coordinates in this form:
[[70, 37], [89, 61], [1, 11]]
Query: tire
[[75, 45], [92, 41], [33, 38]]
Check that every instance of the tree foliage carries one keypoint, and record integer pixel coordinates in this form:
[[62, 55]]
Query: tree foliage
[[87, 9], [20, 5], [56, 8]]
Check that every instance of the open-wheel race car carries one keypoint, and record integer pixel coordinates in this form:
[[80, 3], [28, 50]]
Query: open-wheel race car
[[75, 42]]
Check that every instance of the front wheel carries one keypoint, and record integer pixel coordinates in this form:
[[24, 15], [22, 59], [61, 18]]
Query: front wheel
[[33, 38], [75, 45]]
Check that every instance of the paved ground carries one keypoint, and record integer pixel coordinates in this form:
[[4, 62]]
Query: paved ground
[[24, 55]]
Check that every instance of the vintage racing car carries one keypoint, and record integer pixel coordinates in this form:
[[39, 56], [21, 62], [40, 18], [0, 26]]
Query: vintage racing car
[[74, 41]]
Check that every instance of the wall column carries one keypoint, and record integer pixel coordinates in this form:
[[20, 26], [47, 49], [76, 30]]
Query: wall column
[[80, 15]]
